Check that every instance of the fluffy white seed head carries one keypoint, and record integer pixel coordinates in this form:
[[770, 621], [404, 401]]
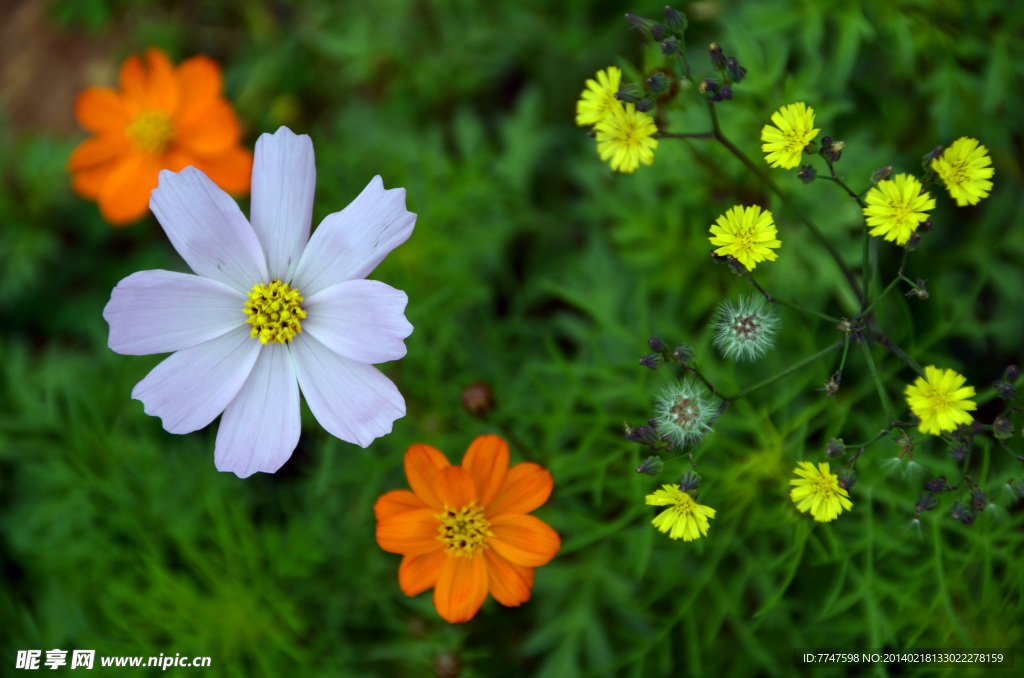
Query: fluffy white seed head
[[745, 328]]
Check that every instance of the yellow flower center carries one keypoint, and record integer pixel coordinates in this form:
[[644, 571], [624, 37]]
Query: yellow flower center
[[463, 531], [900, 212], [826, 487], [957, 173], [274, 312], [938, 401], [152, 131]]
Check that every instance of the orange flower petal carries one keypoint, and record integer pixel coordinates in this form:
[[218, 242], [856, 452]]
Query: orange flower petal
[[454, 487], [461, 588], [161, 86], [98, 150], [124, 196], [409, 532], [213, 132], [526, 487], [420, 572], [199, 83], [89, 182], [509, 584], [486, 461], [422, 462], [132, 81], [524, 540], [232, 170], [100, 109], [397, 501]]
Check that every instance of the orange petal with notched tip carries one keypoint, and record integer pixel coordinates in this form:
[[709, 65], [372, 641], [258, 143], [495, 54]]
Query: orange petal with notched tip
[[486, 461], [461, 588], [100, 109], [161, 85], [124, 196], [422, 463], [199, 83], [215, 131], [231, 170], [454, 487], [420, 572], [131, 80], [524, 540], [410, 532], [509, 584], [527, 486], [396, 501]]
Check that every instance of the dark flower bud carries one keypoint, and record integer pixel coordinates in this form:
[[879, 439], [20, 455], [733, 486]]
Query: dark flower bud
[[708, 85], [675, 19], [835, 448], [657, 345], [978, 500], [833, 151], [962, 512], [477, 399], [629, 94], [670, 47], [724, 93], [1005, 390], [717, 57], [659, 83], [652, 422], [931, 155], [1012, 373], [651, 361], [847, 478], [640, 23], [645, 104], [938, 485], [659, 32], [735, 71], [651, 466], [683, 353], [807, 174], [881, 174], [921, 292], [826, 141], [1002, 428], [926, 502], [959, 452], [689, 482]]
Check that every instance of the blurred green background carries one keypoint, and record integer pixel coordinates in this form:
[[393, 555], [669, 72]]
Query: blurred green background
[[535, 270]]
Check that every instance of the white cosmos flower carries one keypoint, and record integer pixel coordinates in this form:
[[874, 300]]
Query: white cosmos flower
[[345, 325]]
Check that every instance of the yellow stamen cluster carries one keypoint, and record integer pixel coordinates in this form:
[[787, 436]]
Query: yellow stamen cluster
[[463, 531], [151, 131], [274, 312]]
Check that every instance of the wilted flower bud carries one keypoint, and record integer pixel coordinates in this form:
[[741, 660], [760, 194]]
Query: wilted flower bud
[[831, 386], [927, 502], [659, 83], [807, 174], [651, 466], [906, 444], [920, 291], [683, 353], [651, 361], [847, 478], [881, 174], [717, 57], [675, 19], [959, 452], [670, 47], [962, 512], [1012, 373], [689, 482], [1002, 428], [832, 151], [708, 85], [733, 68], [937, 485], [835, 448], [478, 399]]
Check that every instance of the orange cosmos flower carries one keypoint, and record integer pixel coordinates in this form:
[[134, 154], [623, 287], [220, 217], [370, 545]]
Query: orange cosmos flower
[[464, 530], [162, 118]]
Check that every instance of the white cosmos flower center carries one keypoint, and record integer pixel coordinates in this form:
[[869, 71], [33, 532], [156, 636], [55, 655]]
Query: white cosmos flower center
[[274, 312]]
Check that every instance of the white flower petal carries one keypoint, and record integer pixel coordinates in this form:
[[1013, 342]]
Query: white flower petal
[[363, 320], [348, 245], [209, 231], [261, 426], [162, 311], [283, 180], [191, 387], [352, 400]]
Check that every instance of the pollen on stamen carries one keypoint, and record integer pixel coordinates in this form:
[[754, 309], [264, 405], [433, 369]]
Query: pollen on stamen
[[463, 531], [275, 312]]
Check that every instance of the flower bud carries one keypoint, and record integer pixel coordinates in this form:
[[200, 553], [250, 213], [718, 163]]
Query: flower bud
[[675, 19], [926, 161], [477, 399], [657, 345], [938, 485], [670, 46], [962, 512], [651, 466], [807, 174], [708, 85], [724, 93], [1012, 373], [831, 386], [978, 500], [640, 23], [959, 452], [832, 151], [683, 353], [926, 502], [735, 71], [629, 94], [658, 83], [847, 478], [645, 104], [1002, 428], [1005, 390], [651, 361], [881, 174], [689, 482], [659, 32], [717, 57], [835, 448]]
